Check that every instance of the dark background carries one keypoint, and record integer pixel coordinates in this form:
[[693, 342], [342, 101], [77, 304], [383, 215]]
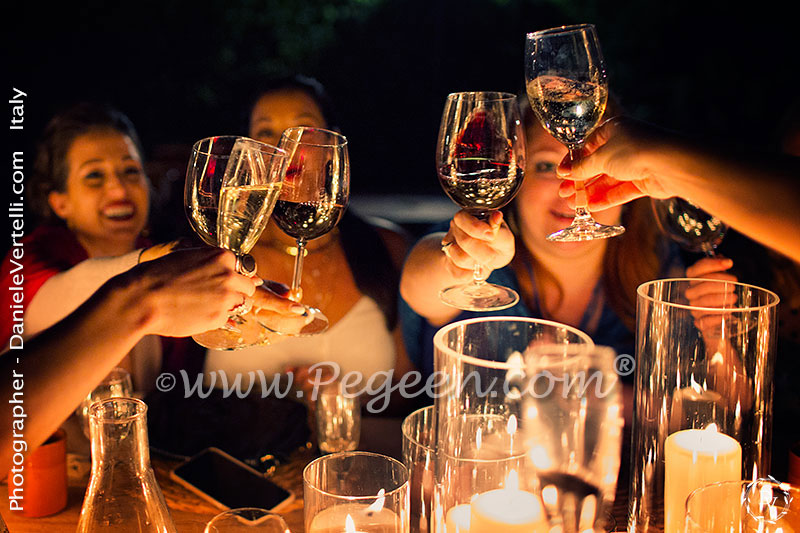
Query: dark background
[[182, 70]]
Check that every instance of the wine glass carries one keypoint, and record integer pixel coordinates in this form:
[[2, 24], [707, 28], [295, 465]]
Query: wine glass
[[117, 384], [232, 184], [480, 158], [247, 519], [314, 196], [691, 227], [567, 89]]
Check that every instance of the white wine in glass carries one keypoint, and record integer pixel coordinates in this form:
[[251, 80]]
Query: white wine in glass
[[568, 90], [232, 184]]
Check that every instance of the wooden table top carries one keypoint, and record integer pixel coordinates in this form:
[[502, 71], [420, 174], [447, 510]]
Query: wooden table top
[[189, 512]]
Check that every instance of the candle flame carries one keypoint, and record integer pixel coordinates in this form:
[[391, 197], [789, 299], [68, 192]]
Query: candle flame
[[512, 480], [478, 438], [550, 495], [540, 459], [349, 525], [377, 505], [511, 427], [717, 359], [712, 427]]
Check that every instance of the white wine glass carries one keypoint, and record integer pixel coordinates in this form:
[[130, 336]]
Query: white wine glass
[[315, 194], [480, 157], [568, 90], [231, 187], [693, 228]]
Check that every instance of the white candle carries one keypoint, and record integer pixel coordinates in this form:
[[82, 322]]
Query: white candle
[[508, 511], [364, 519], [695, 458], [457, 520]]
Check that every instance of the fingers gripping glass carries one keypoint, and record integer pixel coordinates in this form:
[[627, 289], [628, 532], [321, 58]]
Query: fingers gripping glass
[[232, 184], [480, 157], [568, 90], [314, 196]]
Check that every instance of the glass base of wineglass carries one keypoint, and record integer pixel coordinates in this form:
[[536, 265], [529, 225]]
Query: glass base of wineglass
[[585, 228], [316, 323], [479, 297], [239, 333]]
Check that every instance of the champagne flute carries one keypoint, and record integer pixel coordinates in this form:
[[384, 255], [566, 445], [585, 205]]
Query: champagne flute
[[231, 187], [567, 89], [694, 229], [314, 196], [480, 157]]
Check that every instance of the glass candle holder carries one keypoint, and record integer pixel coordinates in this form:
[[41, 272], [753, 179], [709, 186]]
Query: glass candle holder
[[419, 456], [703, 396], [351, 492], [743, 507], [482, 477], [247, 520]]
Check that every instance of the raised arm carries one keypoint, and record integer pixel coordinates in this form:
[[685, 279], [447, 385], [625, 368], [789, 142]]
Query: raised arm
[[181, 294], [757, 194], [430, 267]]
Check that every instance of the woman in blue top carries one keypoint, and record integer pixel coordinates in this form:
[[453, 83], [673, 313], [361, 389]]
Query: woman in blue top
[[590, 285]]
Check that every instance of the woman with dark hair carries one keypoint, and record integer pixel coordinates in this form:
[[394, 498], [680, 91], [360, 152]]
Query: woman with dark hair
[[91, 196], [351, 273]]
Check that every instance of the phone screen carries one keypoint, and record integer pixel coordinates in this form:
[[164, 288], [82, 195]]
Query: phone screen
[[229, 482]]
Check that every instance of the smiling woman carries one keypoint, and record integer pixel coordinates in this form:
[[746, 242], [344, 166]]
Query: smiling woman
[[91, 196]]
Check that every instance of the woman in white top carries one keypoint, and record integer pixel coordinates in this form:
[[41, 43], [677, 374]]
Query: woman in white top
[[351, 273]]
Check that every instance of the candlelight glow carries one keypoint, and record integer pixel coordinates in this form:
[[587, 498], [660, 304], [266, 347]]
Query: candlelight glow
[[511, 427], [512, 480], [540, 458], [550, 495]]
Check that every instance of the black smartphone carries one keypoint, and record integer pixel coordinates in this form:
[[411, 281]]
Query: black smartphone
[[229, 483]]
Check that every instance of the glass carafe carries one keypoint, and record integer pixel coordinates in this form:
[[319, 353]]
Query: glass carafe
[[123, 494]]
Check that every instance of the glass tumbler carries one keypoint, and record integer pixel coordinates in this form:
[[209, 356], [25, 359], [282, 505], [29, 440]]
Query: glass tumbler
[[355, 492], [419, 456], [703, 396], [483, 481], [744, 507]]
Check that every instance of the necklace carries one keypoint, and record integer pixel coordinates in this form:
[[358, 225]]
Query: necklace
[[291, 250]]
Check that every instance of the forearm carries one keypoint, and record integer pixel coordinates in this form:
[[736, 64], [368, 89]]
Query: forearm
[[760, 198], [60, 366], [425, 274]]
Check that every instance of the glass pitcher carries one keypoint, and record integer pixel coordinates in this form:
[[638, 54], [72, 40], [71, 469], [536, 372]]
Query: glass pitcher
[[123, 494]]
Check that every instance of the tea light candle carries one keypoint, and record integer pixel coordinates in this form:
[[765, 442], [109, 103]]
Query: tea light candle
[[457, 520], [506, 510], [694, 458], [362, 519]]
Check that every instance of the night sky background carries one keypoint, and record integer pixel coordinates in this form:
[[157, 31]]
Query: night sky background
[[182, 70]]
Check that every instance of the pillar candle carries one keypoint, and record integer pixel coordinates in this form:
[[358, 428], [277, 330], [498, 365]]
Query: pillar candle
[[694, 458], [507, 510]]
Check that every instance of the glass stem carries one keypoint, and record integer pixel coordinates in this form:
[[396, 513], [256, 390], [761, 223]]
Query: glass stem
[[479, 274], [581, 200], [296, 293]]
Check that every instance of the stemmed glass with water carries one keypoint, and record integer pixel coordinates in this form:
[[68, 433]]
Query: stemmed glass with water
[[568, 90], [232, 184], [314, 197], [480, 159]]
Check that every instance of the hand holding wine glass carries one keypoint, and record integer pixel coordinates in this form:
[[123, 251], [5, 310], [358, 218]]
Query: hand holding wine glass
[[231, 187], [568, 90], [480, 157], [314, 196]]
